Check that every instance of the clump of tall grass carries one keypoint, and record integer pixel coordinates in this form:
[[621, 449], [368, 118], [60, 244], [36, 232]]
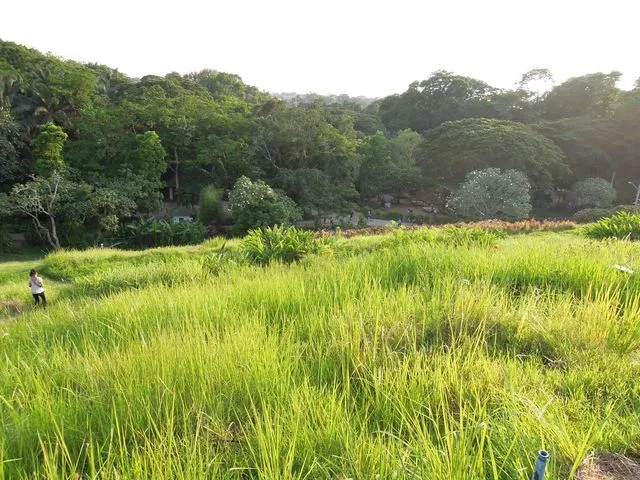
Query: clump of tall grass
[[623, 225], [454, 236]]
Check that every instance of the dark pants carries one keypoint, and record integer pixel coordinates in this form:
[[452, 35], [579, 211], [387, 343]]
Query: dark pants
[[38, 296]]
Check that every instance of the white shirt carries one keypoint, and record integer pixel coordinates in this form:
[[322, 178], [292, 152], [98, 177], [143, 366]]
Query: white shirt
[[36, 285]]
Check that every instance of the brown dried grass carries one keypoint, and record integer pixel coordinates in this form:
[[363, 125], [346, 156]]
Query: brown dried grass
[[12, 307], [609, 467]]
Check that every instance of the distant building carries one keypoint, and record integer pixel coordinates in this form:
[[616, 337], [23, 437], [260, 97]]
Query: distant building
[[183, 214]]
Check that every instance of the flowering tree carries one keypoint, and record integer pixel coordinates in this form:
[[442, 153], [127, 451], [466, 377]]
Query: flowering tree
[[256, 204], [490, 193], [595, 192]]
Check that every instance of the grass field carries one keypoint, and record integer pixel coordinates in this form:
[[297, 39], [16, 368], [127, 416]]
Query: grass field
[[386, 357]]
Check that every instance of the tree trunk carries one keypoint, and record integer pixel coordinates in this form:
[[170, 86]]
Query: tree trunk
[[176, 170], [54, 234]]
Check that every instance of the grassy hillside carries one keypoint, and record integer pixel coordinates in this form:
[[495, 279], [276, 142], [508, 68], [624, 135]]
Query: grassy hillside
[[384, 357]]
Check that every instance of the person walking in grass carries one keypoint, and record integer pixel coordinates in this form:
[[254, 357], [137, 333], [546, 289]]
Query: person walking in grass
[[37, 287]]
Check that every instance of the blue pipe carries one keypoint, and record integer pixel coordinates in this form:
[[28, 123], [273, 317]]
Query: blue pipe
[[541, 465]]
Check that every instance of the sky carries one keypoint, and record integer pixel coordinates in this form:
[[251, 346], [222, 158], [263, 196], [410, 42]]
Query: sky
[[371, 48]]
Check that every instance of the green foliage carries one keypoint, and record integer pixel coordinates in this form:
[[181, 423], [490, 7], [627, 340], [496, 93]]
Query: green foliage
[[156, 233], [452, 236], [440, 98], [47, 149], [256, 204], [588, 143], [6, 243], [453, 149], [594, 214], [389, 165], [490, 193], [589, 95], [314, 191], [281, 244], [302, 137], [41, 200], [174, 135], [220, 261], [148, 156], [11, 149], [209, 205], [588, 215], [595, 192], [623, 225]]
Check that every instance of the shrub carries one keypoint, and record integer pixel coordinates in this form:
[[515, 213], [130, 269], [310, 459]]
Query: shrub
[[588, 215], [209, 203], [6, 244], [490, 193], [594, 214], [595, 192], [188, 233], [264, 245], [219, 261], [256, 205], [158, 233], [622, 225]]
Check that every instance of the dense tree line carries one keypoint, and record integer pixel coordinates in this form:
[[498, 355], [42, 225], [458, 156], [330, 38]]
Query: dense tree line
[[88, 148]]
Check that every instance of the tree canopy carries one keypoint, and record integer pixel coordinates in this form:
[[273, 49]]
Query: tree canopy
[[124, 146], [454, 149]]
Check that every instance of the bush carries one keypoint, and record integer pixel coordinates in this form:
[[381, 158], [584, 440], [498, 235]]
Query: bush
[[188, 233], [595, 192], [209, 203], [256, 205], [490, 193], [6, 244], [264, 245], [622, 225], [159, 233], [588, 215]]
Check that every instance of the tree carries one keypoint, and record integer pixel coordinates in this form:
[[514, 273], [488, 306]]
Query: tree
[[490, 193], [256, 204], [315, 192], [209, 201], [303, 138], [376, 166], [590, 95], [47, 149], [453, 149], [588, 143], [11, 147], [626, 154], [442, 97], [39, 200], [595, 192], [535, 76]]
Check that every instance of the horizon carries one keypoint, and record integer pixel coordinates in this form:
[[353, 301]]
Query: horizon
[[354, 48]]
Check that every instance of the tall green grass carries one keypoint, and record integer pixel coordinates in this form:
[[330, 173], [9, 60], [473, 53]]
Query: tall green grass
[[396, 358]]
